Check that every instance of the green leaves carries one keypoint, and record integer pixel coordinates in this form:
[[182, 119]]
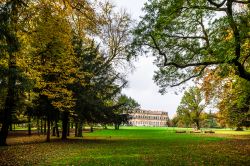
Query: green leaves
[[188, 37], [191, 107]]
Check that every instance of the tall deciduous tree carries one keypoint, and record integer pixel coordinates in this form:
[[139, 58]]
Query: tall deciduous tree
[[114, 33], [188, 37], [191, 107], [53, 58], [234, 105]]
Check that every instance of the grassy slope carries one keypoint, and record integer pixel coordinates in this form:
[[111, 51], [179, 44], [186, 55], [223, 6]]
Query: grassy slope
[[133, 146]]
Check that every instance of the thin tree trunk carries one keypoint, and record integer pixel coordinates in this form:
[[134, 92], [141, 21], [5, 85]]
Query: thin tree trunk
[[76, 128], [38, 128], [65, 120], [45, 128], [57, 130], [48, 131], [91, 129], [80, 129], [41, 129], [11, 129], [54, 130], [68, 131], [29, 125]]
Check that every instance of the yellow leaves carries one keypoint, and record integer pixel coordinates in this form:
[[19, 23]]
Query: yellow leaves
[[229, 35]]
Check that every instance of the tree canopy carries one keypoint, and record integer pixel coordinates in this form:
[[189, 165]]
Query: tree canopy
[[191, 107], [189, 36], [59, 62]]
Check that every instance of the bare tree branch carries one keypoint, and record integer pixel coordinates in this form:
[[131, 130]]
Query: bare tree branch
[[182, 66], [218, 5], [189, 78]]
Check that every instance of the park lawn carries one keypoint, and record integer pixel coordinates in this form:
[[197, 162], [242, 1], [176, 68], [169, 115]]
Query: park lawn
[[132, 146]]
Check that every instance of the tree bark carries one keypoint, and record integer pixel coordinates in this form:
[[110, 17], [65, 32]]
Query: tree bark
[[65, 120], [80, 129], [197, 125], [45, 128], [41, 129], [13, 47], [11, 129], [76, 129], [38, 128], [54, 130], [117, 126], [68, 131], [48, 131], [29, 125], [57, 130], [10, 100]]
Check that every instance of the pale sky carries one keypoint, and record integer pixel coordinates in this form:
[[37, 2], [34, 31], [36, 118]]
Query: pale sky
[[141, 86]]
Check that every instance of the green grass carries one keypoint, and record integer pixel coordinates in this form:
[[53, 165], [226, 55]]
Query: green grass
[[134, 146]]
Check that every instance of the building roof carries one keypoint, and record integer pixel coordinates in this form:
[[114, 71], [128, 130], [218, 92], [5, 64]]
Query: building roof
[[151, 112]]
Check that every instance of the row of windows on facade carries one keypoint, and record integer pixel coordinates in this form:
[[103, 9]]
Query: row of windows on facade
[[147, 123], [146, 112], [148, 117]]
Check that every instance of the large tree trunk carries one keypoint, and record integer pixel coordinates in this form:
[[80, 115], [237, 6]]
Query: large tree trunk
[[197, 125], [65, 121], [9, 108], [13, 46]]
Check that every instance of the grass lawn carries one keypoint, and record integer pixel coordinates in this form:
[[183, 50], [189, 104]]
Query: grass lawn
[[132, 146]]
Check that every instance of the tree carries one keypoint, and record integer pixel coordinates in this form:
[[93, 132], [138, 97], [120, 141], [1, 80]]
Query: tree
[[191, 107], [53, 60], [234, 105], [121, 114], [114, 33], [97, 88], [10, 46], [230, 95], [188, 37]]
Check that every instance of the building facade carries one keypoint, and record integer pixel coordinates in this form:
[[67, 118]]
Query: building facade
[[148, 118]]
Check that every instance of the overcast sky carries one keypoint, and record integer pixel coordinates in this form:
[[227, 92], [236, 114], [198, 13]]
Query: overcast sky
[[141, 86]]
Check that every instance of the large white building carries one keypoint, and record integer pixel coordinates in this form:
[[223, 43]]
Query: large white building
[[148, 118]]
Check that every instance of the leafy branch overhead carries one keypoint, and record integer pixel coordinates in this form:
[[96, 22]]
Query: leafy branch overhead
[[187, 37]]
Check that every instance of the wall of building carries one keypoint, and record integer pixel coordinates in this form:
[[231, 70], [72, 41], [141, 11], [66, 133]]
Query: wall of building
[[148, 118]]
